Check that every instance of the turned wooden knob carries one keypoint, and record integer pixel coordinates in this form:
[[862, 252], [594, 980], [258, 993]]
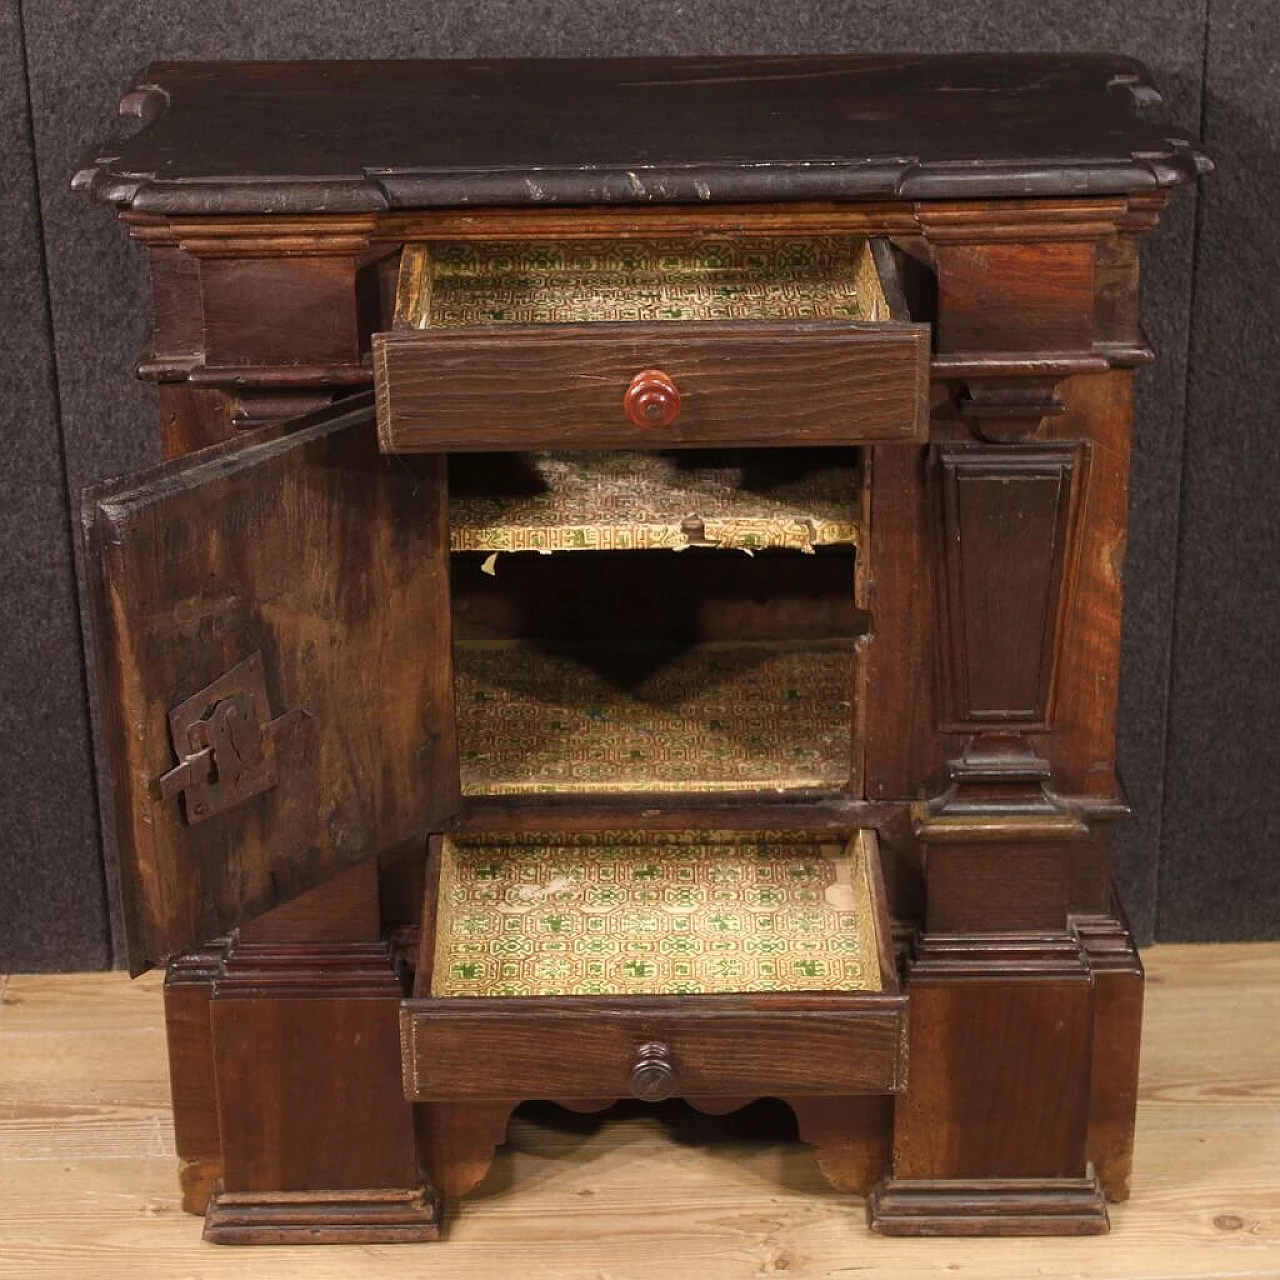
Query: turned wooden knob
[[652, 399], [653, 1073]]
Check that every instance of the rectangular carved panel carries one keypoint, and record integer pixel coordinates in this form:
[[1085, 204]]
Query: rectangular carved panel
[[1006, 532]]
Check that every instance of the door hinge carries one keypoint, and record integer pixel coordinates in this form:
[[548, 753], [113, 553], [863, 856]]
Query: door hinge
[[225, 739]]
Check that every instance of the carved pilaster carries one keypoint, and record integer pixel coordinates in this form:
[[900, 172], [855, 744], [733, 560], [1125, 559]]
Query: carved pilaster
[[1004, 411], [258, 320], [1005, 525], [999, 790], [1002, 850]]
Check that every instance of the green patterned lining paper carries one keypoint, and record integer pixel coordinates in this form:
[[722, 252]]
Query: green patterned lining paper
[[645, 501], [633, 913], [712, 717], [465, 283], [605, 501]]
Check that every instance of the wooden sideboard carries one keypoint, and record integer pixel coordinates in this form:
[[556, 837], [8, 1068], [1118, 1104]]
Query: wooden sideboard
[[425, 823]]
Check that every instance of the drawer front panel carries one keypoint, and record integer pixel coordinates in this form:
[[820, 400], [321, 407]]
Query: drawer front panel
[[458, 1049], [754, 383]]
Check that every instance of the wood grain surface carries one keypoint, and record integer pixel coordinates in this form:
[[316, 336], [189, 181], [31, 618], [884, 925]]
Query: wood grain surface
[[88, 1184], [726, 1045], [281, 548], [244, 137], [740, 383]]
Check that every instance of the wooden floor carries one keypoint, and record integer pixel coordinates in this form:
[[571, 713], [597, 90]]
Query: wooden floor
[[87, 1180]]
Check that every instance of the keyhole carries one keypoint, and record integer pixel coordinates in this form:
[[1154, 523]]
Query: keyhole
[[236, 725]]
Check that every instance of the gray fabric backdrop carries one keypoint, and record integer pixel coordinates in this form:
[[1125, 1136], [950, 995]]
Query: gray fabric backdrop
[[1199, 697]]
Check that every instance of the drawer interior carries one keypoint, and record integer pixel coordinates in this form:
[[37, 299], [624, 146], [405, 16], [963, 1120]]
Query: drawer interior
[[630, 913], [649, 344], [478, 283], [757, 963]]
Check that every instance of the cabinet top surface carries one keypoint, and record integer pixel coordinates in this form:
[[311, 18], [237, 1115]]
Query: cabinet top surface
[[345, 137]]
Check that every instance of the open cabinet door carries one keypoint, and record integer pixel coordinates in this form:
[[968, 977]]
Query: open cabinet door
[[272, 630]]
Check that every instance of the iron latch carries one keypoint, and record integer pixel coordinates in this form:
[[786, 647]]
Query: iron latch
[[225, 739]]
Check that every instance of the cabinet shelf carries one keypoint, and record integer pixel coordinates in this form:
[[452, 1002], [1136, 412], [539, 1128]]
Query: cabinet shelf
[[731, 499], [537, 717]]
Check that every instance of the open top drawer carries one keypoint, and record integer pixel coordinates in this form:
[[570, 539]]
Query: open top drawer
[[653, 964], [650, 345]]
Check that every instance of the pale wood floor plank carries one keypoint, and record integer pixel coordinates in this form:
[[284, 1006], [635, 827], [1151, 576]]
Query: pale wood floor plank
[[87, 1186]]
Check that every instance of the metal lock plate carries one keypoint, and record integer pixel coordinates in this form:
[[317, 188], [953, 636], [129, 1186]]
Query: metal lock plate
[[224, 738]]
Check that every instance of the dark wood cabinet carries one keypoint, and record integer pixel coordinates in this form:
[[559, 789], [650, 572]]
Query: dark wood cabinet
[[632, 609]]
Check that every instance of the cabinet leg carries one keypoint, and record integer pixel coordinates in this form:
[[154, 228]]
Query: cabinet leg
[[458, 1140], [188, 988], [851, 1138], [1117, 1033], [317, 1138], [990, 1136]]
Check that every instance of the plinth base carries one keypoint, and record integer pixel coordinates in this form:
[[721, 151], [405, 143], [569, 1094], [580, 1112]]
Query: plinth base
[[323, 1217], [989, 1207]]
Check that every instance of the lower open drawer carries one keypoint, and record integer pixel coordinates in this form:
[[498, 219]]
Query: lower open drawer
[[655, 964]]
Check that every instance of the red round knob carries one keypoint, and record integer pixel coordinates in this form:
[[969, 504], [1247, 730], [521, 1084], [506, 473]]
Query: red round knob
[[652, 399]]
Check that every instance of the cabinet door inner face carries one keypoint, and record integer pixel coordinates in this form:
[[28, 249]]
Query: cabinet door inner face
[[270, 618]]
